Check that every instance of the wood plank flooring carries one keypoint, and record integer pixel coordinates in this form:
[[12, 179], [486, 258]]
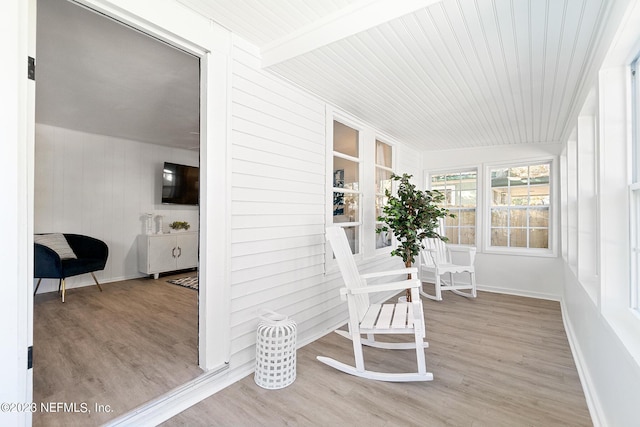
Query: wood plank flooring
[[121, 347], [498, 360]]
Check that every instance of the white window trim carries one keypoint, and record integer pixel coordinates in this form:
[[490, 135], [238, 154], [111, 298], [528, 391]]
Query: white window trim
[[394, 155], [634, 187], [634, 233], [350, 122], [479, 198], [366, 172], [553, 208]]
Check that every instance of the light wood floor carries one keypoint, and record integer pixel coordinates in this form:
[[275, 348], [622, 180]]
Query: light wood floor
[[121, 347], [498, 360]]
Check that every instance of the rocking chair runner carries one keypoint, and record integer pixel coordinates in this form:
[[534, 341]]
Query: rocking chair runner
[[436, 258], [374, 319]]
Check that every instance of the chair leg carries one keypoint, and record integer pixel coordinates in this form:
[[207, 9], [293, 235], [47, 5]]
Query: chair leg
[[357, 352], [63, 288], [37, 286], [438, 290], [419, 331], [473, 284], [96, 280], [420, 359]]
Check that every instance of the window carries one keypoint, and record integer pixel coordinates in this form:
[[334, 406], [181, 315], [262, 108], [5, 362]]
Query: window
[[460, 191], [634, 189], [384, 170], [520, 206], [359, 168], [346, 182]]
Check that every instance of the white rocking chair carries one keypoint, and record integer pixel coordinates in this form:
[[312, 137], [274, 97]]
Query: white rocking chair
[[436, 259], [373, 319]]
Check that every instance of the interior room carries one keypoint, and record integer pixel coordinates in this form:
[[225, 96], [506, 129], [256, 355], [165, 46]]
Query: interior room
[[524, 114], [117, 123]]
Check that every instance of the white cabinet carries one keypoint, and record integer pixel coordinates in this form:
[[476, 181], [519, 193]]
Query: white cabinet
[[158, 253]]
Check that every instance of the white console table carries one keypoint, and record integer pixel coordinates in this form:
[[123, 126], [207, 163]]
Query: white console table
[[158, 253]]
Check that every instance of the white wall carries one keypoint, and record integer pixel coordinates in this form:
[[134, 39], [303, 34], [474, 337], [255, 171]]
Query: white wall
[[602, 327], [101, 187], [278, 208], [539, 277], [410, 161]]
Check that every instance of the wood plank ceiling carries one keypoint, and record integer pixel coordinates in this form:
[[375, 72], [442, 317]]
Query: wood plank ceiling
[[436, 74]]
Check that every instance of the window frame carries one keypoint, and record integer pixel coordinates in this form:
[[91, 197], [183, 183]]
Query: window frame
[[332, 189], [551, 251], [392, 169], [478, 206], [634, 188], [367, 137]]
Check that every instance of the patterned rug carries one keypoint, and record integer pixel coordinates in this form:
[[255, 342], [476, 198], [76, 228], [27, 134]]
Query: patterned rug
[[187, 282]]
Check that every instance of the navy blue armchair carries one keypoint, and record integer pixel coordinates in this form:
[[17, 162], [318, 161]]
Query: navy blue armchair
[[91, 256]]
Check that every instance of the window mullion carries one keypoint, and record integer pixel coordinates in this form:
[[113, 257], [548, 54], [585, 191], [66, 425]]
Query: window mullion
[[347, 157]]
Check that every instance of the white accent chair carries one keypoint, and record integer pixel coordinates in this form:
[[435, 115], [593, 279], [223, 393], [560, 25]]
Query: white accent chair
[[436, 259], [374, 319]]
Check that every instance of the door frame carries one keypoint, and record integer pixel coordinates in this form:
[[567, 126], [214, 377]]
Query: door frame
[[174, 24]]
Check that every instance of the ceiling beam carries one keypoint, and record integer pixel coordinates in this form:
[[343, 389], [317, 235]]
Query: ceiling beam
[[353, 19]]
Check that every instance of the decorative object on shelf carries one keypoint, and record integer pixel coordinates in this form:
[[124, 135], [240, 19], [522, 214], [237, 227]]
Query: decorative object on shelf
[[159, 224], [148, 223], [412, 215], [179, 225]]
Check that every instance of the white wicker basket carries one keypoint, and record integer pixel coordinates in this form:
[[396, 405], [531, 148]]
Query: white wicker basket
[[275, 351]]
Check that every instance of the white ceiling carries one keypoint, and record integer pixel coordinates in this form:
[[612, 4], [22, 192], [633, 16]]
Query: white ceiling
[[437, 74], [96, 75]]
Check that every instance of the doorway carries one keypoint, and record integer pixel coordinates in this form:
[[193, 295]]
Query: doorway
[[96, 173]]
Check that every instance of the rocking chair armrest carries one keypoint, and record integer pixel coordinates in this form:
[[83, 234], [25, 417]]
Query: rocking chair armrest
[[389, 273], [392, 286], [468, 249]]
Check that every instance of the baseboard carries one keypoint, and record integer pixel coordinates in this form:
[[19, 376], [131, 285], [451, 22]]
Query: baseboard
[[51, 285], [521, 293], [177, 400], [595, 409]]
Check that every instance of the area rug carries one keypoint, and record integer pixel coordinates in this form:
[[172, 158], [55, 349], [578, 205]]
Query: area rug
[[187, 282]]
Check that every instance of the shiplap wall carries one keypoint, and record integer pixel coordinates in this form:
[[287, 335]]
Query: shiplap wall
[[410, 161], [278, 208], [101, 186]]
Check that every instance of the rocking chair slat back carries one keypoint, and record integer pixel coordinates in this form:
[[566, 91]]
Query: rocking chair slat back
[[436, 250], [348, 268]]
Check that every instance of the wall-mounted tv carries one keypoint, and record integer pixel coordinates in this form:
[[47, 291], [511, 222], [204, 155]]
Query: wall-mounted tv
[[180, 184]]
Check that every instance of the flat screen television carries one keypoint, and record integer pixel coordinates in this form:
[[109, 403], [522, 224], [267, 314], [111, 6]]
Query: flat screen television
[[180, 184]]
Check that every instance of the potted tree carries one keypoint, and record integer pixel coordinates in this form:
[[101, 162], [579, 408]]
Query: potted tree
[[412, 215]]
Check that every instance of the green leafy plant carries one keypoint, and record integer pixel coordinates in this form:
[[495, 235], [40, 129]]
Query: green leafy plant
[[412, 215], [179, 225]]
